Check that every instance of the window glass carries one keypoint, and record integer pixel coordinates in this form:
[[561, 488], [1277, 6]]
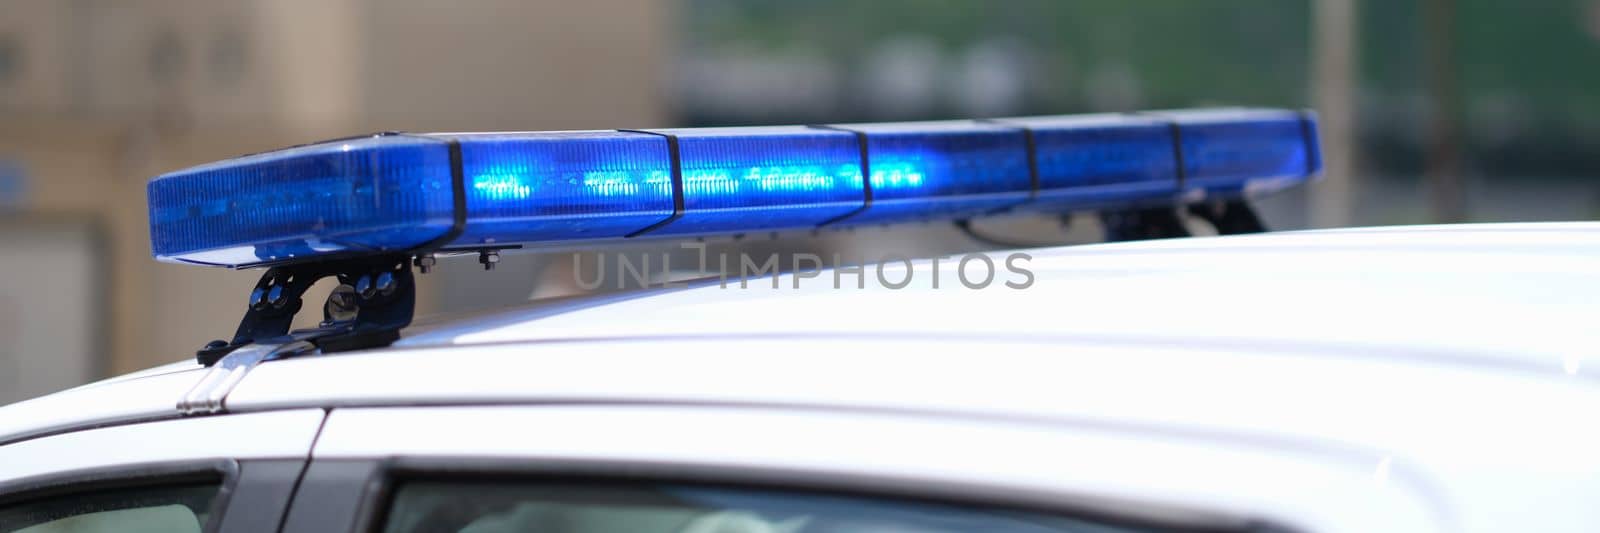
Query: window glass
[[160, 509], [509, 507]]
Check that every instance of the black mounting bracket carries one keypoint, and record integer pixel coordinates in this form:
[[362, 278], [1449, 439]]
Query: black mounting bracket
[[1142, 224], [375, 299], [1230, 217]]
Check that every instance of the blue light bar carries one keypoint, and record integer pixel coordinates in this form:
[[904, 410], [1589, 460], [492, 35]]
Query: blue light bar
[[410, 193], [371, 193], [1086, 161], [559, 186], [1231, 152], [752, 179], [953, 169]]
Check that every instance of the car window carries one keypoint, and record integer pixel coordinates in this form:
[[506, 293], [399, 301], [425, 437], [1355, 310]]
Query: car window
[[161, 509], [510, 507]]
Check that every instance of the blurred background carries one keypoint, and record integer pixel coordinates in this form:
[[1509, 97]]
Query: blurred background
[[1432, 111]]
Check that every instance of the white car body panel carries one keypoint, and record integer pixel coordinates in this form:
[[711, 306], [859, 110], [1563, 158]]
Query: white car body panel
[[275, 435], [116, 401], [1456, 362], [1468, 444], [1434, 291]]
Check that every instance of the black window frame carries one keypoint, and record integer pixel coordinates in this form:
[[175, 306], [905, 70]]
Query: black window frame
[[223, 473], [355, 495], [252, 495]]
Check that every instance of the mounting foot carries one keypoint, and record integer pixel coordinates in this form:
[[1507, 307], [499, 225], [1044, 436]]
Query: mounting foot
[[375, 299]]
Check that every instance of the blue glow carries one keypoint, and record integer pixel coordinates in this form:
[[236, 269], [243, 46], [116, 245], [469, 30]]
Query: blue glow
[[1088, 161], [767, 179], [618, 183], [895, 176], [752, 179], [502, 186], [373, 193], [1227, 152], [552, 186], [942, 170], [515, 183]]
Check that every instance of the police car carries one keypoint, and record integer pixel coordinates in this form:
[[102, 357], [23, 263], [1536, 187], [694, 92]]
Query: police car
[[1428, 378]]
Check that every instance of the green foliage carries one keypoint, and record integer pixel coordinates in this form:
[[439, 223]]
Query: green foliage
[[1182, 52], [1526, 73]]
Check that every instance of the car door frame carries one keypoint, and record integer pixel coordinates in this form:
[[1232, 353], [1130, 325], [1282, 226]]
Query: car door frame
[[364, 452], [256, 473]]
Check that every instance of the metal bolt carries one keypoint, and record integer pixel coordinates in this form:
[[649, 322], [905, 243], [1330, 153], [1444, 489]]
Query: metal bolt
[[275, 296], [365, 287], [489, 258], [216, 344], [385, 283], [426, 262], [258, 298], [342, 304]]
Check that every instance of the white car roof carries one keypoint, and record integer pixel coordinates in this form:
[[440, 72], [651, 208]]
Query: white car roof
[[1406, 341], [1501, 295]]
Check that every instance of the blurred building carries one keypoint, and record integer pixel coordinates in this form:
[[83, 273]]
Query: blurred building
[[97, 96]]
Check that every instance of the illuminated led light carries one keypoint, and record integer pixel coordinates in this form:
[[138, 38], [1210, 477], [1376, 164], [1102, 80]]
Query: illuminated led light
[[895, 176], [768, 179], [765, 178], [552, 186], [621, 183], [502, 187], [953, 169]]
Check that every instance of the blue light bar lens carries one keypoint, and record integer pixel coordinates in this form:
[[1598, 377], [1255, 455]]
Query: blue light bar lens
[[1238, 151], [556, 186], [942, 170], [1087, 161], [752, 179], [372, 193], [398, 192]]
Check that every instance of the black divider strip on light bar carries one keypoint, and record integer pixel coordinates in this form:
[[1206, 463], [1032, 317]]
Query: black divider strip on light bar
[[1308, 138], [1033, 163], [1181, 171], [866, 173], [458, 202], [1031, 147], [677, 182]]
